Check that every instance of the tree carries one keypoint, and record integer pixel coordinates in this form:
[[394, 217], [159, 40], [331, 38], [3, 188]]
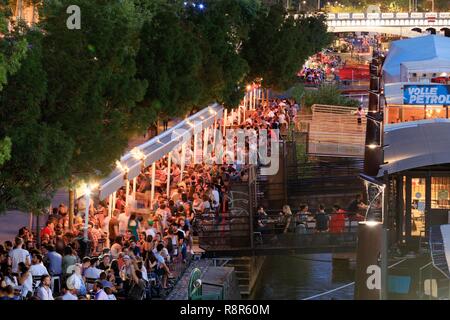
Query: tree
[[92, 86], [169, 59], [5, 150], [278, 45], [221, 28], [325, 94], [12, 48], [40, 151]]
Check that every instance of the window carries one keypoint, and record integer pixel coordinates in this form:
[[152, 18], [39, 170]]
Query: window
[[440, 189]]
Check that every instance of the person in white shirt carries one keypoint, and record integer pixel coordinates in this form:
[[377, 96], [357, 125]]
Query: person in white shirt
[[99, 293], [75, 281], [18, 255], [37, 268], [25, 279], [68, 293], [43, 291], [123, 222], [92, 271], [150, 231], [216, 200]]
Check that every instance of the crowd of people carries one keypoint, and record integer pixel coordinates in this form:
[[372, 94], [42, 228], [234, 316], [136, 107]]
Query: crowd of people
[[319, 67], [304, 221], [133, 251]]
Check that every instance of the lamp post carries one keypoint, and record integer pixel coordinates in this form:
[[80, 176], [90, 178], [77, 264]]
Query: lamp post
[[87, 196]]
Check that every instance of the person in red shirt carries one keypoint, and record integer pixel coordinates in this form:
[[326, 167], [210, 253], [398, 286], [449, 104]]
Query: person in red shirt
[[337, 220], [48, 229]]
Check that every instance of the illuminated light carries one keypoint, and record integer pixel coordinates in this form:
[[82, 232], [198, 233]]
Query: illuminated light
[[249, 87], [372, 146], [120, 166], [87, 190], [201, 6], [193, 5], [371, 223], [137, 153]]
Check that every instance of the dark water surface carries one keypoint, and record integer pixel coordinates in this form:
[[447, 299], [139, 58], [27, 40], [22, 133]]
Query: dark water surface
[[296, 277]]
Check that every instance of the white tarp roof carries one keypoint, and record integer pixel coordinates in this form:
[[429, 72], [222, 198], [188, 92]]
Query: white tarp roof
[[157, 147], [421, 50], [415, 144]]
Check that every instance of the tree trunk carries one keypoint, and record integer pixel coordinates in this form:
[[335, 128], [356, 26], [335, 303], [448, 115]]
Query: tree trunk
[[38, 231]]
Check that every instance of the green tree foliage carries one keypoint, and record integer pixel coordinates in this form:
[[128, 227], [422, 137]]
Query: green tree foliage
[[325, 94], [170, 60], [40, 151], [12, 48], [221, 28], [5, 150], [92, 88], [278, 46], [72, 104]]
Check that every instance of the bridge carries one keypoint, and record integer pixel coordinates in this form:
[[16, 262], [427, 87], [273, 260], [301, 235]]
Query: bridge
[[405, 24]]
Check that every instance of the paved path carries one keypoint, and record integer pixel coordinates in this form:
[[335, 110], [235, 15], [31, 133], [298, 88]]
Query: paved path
[[180, 291], [12, 221]]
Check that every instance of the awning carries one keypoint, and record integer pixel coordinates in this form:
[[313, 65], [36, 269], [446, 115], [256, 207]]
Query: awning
[[415, 144], [157, 147], [421, 50]]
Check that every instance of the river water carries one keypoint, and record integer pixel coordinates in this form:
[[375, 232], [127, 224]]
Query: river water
[[296, 277]]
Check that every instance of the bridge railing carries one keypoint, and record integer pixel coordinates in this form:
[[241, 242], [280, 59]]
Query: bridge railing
[[388, 15]]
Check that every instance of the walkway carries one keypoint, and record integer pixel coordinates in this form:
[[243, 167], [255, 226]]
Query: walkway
[[180, 291]]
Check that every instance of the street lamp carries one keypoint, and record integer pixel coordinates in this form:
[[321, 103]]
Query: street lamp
[[384, 237]]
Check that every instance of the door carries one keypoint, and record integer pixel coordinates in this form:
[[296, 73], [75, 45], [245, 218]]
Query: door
[[417, 205], [440, 201]]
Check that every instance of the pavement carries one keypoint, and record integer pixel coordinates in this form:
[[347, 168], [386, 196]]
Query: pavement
[[180, 291], [13, 220]]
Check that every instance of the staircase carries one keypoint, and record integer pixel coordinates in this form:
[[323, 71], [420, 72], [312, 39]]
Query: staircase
[[247, 270]]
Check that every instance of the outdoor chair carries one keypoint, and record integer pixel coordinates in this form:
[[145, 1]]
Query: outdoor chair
[[36, 281], [56, 279]]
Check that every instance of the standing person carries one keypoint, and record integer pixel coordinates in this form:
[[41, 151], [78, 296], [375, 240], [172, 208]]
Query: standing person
[[337, 220], [161, 268], [44, 292], [216, 199], [322, 219], [150, 230], [133, 226], [69, 259], [55, 261], [123, 222], [25, 280], [113, 227], [18, 255], [116, 248], [359, 114]]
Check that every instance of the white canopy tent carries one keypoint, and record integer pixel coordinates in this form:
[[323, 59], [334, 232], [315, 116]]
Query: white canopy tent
[[427, 54], [158, 147], [437, 65]]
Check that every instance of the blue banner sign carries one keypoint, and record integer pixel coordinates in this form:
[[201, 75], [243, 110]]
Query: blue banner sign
[[426, 94]]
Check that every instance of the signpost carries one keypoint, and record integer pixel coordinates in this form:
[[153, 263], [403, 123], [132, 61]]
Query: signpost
[[426, 94]]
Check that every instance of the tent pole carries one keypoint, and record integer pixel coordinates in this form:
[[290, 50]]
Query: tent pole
[[152, 192], [183, 160], [169, 164]]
